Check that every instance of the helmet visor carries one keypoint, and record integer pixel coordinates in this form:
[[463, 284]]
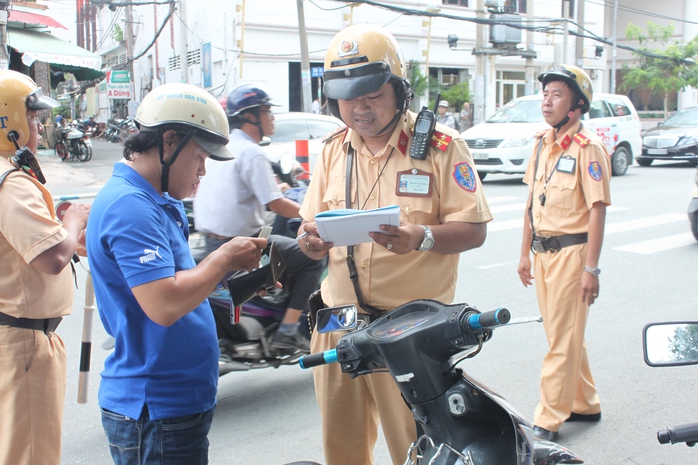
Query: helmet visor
[[218, 152], [38, 101], [347, 84]]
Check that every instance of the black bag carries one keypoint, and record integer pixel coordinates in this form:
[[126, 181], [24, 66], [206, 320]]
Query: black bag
[[315, 303], [244, 286]]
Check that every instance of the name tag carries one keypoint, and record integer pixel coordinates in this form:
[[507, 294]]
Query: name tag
[[414, 183], [566, 164]]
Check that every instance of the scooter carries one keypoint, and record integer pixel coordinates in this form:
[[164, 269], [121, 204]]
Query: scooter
[[672, 344], [420, 343], [693, 209], [72, 143]]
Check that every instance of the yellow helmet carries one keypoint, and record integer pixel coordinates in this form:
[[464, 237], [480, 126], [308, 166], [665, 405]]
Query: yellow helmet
[[360, 59], [187, 107], [574, 77], [18, 93]]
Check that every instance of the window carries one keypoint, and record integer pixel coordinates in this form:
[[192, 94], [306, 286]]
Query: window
[[319, 129], [455, 2], [599, 109], [290, 130], [571, 10], [618, 107], [518, 6]]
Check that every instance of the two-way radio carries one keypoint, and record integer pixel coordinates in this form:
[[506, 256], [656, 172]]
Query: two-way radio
[[423, 130]]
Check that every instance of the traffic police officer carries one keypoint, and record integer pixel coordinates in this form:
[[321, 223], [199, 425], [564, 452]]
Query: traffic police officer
[[568, 178], [443, 212]]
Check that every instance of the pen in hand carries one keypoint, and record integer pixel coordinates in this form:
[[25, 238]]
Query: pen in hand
[[302, 235]]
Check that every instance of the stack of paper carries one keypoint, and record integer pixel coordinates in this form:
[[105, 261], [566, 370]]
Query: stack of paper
[[350, 227]]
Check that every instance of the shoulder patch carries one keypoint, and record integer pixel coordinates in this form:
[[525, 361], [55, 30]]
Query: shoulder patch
[[580, 139], [334, 134], [440, 140], [465, 176], [595, 171]]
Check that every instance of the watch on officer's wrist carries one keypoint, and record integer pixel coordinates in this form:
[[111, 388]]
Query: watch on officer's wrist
[[594, 271], [428, 240]]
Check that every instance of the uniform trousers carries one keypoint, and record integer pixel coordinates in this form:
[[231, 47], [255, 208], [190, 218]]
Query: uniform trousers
[[566, 383], [32, 393], [352, 409]]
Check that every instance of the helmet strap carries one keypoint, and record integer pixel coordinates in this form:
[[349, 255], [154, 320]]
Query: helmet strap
[[570, 113], [165, 177], [255, 111]]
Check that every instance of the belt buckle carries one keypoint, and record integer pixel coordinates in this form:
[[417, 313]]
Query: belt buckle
[[538, 246]]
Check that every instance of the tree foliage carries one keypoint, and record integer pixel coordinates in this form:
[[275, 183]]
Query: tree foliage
[[663, 66]]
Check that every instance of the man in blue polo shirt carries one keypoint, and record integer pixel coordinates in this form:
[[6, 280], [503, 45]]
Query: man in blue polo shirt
[[158, 388]]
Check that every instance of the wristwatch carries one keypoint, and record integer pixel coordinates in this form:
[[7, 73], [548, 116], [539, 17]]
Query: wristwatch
[[594, 271], [428, 240]]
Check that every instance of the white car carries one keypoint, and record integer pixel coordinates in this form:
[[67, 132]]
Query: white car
[[290, 127], [504, 142]]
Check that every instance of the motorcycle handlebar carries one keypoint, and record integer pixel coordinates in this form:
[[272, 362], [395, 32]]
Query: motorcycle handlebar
[[687, 433], [314, 360], [490, 319]]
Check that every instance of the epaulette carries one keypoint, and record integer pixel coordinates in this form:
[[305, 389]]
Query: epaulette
[[440, 141], [335, 133], [540, 134], [580, 139]]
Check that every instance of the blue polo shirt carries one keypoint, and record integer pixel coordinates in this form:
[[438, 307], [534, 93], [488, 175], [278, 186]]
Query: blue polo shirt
[[136, 236]]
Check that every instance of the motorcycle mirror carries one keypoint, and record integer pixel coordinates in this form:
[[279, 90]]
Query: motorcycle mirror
[[266, 140], [670, 344], [336, 318], [286, 162]]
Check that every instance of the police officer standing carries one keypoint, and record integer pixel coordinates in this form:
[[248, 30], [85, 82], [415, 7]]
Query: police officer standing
[[443, 212], [568, 178], [36, 285]]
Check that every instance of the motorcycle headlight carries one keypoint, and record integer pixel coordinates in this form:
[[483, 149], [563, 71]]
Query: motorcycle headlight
[[518, 142]]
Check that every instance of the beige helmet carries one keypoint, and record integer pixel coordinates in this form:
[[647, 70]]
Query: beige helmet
[[187, 108], [359, 60], [574, 77], [18, 93]]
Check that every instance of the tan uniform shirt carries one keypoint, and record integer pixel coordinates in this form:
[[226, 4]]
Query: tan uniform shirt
[[28, 227], [569, 196], [387, 279]]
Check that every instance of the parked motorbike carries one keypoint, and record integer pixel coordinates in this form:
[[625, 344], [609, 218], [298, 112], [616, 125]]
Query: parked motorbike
[[420, 343], [673, 344], [119, 129], [693, 209], [72, 143]]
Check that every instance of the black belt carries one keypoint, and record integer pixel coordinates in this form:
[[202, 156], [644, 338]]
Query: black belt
[[556, 243], [47, 325]]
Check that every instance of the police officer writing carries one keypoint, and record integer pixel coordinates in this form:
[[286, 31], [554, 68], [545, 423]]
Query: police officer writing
[[158, 389], [443, 212], [568, 178], [36, 284]]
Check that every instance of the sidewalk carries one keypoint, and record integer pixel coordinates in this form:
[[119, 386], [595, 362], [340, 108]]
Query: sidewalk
[[62, 177]]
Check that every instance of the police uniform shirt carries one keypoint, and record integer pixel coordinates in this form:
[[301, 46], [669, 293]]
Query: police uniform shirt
[[28, 227], [385, 278], [568, 196], [231, 199]]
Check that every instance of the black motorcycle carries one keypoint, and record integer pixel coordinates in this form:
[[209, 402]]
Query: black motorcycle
[[72, 143], [420, 343], [119, 129]]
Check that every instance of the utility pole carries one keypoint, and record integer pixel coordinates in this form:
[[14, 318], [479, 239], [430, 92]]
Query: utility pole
[[128, 32], [307, 99], [565, 33], [4, 57], [530, 70], [613, 51], [579, 54], [183, 51], [480, 88]]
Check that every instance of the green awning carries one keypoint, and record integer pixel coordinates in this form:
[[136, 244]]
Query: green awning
[[42, 46]]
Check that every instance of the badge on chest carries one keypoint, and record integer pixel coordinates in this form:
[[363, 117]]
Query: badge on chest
[[413, 183]]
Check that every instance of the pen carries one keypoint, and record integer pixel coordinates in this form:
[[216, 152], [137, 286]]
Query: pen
[[302, 235]]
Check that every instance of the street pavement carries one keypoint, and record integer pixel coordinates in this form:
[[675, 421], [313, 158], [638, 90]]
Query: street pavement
[[649, 268]]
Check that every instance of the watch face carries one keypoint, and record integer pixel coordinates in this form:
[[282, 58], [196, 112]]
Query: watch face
[[427, 244]]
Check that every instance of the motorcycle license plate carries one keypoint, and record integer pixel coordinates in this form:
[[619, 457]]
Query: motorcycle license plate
[[656, 151]]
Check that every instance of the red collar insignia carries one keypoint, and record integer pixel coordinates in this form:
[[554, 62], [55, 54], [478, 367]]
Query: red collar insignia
[[566, 142], [402, 142]]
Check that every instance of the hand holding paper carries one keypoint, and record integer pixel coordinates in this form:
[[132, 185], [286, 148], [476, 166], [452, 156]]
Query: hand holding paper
[[351, 227]]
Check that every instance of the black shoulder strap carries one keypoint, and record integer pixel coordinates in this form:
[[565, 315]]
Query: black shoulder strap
[[533, 183], [4, 175], [353, 273]]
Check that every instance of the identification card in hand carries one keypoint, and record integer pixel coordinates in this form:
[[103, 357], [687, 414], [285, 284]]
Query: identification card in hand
[[566, 164], [413, 183]]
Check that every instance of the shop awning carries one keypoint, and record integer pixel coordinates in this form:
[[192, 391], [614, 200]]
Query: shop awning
[[33, 18], [42, 46]]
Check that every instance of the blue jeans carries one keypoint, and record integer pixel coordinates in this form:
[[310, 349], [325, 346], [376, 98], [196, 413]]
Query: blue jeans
[[170, 441]]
